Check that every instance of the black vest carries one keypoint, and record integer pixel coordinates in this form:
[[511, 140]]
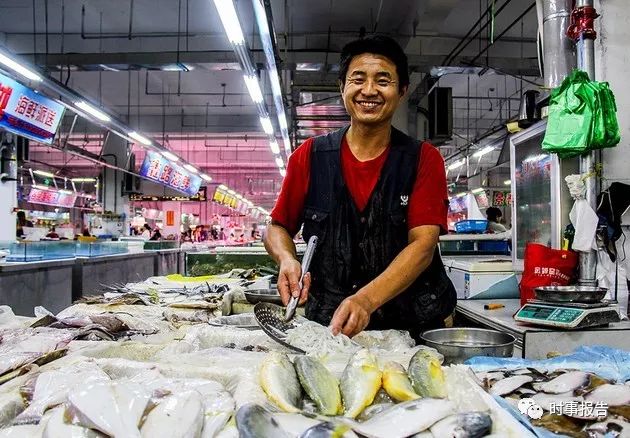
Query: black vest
[[356, 246]]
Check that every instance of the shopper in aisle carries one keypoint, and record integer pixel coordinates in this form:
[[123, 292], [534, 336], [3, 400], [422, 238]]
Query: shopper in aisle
[[146, 232], [494, 216], [376, 199], [21, 223]]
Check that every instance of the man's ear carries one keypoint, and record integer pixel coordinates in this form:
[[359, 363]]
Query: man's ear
[[404, 90], [340, 83]]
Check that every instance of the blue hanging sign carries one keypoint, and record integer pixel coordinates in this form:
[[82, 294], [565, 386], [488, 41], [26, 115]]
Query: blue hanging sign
[[27, 113], [157, 168]]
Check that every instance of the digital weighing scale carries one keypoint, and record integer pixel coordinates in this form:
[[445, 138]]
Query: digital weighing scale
[[568, 315]]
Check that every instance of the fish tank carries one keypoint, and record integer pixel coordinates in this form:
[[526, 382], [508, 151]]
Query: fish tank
[[27, 251], [100, 248], [158, 245]]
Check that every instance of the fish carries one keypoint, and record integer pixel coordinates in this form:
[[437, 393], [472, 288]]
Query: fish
[[396, 382], [218, 409], [425, 434], [610, 427], [177, 415], [56, 426], [295, 424], [620, 411], [279, 380], [426, 374], [561, 424], [11, 405], [569, 381], [465, 425], [406, 418], [112, 408], [612, 395], [25, 430], [373, 410], [509, 384], [360, 382], [327, 429], [254, 421], [319, 384]]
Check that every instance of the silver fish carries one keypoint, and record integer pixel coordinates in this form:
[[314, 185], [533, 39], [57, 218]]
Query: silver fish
[[610, 428], [56, 426], [509, 385], [426, 374], [373, 410], [465, 425], [26, 430], [612, 395], [407, 418], [280, 382], [568, 381], [547, 401], [360, 382], [320, 385], [254, 421], [294, 424], [329, 430]]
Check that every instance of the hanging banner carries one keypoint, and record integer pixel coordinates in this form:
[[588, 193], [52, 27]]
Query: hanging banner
[[482, 199], [501, 199], [27, 113], [52, 197], [159, 169]]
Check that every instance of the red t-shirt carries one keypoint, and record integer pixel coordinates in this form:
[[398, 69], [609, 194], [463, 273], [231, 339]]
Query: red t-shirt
[[428, 202]]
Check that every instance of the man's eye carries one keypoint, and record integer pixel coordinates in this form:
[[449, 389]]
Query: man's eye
[[357, 81], [382, 82]]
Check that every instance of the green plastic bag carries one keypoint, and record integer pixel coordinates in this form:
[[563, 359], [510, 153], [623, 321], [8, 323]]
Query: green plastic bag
[[582, 117]]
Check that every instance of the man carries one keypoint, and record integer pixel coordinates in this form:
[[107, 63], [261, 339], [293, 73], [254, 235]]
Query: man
[[377, 201], [21, 223]]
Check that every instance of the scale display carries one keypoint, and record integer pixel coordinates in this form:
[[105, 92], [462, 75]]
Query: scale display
[[566, 317]]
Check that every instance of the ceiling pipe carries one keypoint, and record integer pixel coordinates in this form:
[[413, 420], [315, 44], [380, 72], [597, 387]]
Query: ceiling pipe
[[558, 49]]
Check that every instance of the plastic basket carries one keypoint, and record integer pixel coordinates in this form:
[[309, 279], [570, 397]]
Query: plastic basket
[[496, 246], [471, 226]]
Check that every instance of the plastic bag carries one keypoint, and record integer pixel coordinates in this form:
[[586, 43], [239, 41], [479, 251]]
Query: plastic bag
[[545, 266], [582, 117]]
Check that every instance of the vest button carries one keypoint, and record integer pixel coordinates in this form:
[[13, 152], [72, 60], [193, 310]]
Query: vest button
[[314, 217], [363, 219], [433, 297]]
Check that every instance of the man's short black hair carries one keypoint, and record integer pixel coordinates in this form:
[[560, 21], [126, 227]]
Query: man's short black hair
[[379, 45], [493, 214]]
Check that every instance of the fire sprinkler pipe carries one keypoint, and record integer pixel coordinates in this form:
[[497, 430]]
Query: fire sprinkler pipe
[[582, 31]]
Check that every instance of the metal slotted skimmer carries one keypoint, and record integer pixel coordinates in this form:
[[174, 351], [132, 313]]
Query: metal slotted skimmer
[[270, 317]]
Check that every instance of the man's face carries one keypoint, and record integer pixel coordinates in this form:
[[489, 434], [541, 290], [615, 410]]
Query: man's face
[[370, 92]]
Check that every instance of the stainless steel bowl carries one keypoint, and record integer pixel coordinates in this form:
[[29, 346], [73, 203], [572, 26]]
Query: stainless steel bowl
[[570, 294], [461, 343]]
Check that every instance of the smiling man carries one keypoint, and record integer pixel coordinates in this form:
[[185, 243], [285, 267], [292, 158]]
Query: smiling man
[[377, 201]]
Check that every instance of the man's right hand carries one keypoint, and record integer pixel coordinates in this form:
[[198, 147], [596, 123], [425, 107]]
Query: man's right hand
[[288, 281]]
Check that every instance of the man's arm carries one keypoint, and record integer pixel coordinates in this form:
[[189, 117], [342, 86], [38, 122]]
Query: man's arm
[[281, 248], [353, 314]]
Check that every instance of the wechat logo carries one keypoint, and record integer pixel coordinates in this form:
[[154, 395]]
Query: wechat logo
[[529, 407]]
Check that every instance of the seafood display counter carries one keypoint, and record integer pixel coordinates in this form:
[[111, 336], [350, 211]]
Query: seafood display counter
[[44, 283], [537, 342]]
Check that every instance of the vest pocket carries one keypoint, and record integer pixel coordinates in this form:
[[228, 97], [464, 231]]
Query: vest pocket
[[314, 223]]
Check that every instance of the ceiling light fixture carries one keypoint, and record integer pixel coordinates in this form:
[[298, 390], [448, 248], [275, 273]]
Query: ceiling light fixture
[[228, 16], [190, 168], [507, 182], [478, 190], [273, 144], [44, 173], [251, 81], [5, 59], [483, 151], [100, 115], [82, 179], [457, 164], [222, 187], [139, 138], [266, 125], [171, 156], [206, 177]]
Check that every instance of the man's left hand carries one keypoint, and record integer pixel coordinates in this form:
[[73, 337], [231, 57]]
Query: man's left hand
[[352, 316]]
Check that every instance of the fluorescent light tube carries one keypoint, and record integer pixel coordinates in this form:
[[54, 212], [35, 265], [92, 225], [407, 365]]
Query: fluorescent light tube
[[457, 164], [507, 182], [139, 138], [44, 173], [66, 191], [279, 162], [266, 125], [171, 156], [190, 168], [222, 187], [17, 67], [231, 192], [481, 152], [254, 88], [206, 177], [228, 16], [274, 147], [83, 179], [100, 115], [478, 190]]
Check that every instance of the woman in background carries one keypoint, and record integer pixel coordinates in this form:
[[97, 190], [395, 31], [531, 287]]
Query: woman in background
[[494, 218]]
